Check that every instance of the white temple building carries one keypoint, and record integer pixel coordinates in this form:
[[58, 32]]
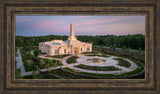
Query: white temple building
[[70, 46]]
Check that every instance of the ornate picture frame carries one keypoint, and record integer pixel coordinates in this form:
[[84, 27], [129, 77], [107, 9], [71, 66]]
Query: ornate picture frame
[[10, 85]]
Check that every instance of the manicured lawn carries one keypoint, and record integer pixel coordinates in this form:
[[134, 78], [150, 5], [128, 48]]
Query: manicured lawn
[[49, 76], [45, 76], [71, 76], [27, 50], [60, 56], [64, 74], [99, 55], [46, 63], [123, 62], [109, 68], [18, 74], [26, 58], [139, 56], [86, 73], [28, 64], [93, 52], [138, 70], [72, 60]]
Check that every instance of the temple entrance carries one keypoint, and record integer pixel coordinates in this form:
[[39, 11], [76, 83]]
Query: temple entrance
[[76, 50]]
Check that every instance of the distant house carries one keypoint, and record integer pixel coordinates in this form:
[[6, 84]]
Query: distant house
[[70, 46]]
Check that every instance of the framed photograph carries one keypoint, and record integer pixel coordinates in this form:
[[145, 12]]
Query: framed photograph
[[79, 47], [44, 50]]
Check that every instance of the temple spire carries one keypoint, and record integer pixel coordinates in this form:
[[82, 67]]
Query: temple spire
[[72, 36], [72, 29]]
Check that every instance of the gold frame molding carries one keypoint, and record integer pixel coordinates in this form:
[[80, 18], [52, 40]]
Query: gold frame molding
[[10, 85]]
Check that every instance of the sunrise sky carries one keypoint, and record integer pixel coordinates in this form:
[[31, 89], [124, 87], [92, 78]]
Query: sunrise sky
[[83, 25]]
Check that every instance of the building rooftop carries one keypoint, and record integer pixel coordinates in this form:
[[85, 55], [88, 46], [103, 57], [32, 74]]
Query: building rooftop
[[52, 44]]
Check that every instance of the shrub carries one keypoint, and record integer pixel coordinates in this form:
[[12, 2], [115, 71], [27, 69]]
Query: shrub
[[36, 53]]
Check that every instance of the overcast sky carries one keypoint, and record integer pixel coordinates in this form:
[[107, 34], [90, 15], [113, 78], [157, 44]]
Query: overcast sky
[[83, 25]]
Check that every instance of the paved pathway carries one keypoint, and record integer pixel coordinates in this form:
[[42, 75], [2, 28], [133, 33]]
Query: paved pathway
[[83, 60], [32, 52], [20, 62], [111, 62], [51, 58], [65, 59]]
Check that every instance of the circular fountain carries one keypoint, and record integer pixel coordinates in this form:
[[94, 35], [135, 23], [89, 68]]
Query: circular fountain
[[96, 60]]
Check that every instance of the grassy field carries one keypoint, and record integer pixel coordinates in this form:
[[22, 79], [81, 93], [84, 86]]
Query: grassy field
[[138, 56], [38, 76], [123, 62], [27, 50], [28, 64], [86, 73], [60, 56], [93, 52], [72, 59], [46, 63], [136, 71], [109, 68], [98, 55], [28, 61]]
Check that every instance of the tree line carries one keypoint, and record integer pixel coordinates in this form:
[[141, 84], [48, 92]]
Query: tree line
[[135, 41]]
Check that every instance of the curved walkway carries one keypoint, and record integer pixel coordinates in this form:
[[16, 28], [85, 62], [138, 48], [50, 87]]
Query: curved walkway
[[111, 62], [83, 60]]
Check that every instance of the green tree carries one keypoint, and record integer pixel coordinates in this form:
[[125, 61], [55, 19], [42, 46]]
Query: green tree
[[36, 75], [36, 53], [139, 49], [111, 47], [124, 47], [47, 65], [42, 63], [103, 49], [128, 49]]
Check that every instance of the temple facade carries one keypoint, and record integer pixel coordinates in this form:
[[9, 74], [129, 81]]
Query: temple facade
[[70, 46]]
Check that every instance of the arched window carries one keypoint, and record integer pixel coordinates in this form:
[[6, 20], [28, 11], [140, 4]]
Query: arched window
[[56, 52], [88, 48], [64, 50]]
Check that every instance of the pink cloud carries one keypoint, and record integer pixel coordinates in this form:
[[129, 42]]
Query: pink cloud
[[118, 29], [97, 25], [125, 26], [99, 21], [50, 26]]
